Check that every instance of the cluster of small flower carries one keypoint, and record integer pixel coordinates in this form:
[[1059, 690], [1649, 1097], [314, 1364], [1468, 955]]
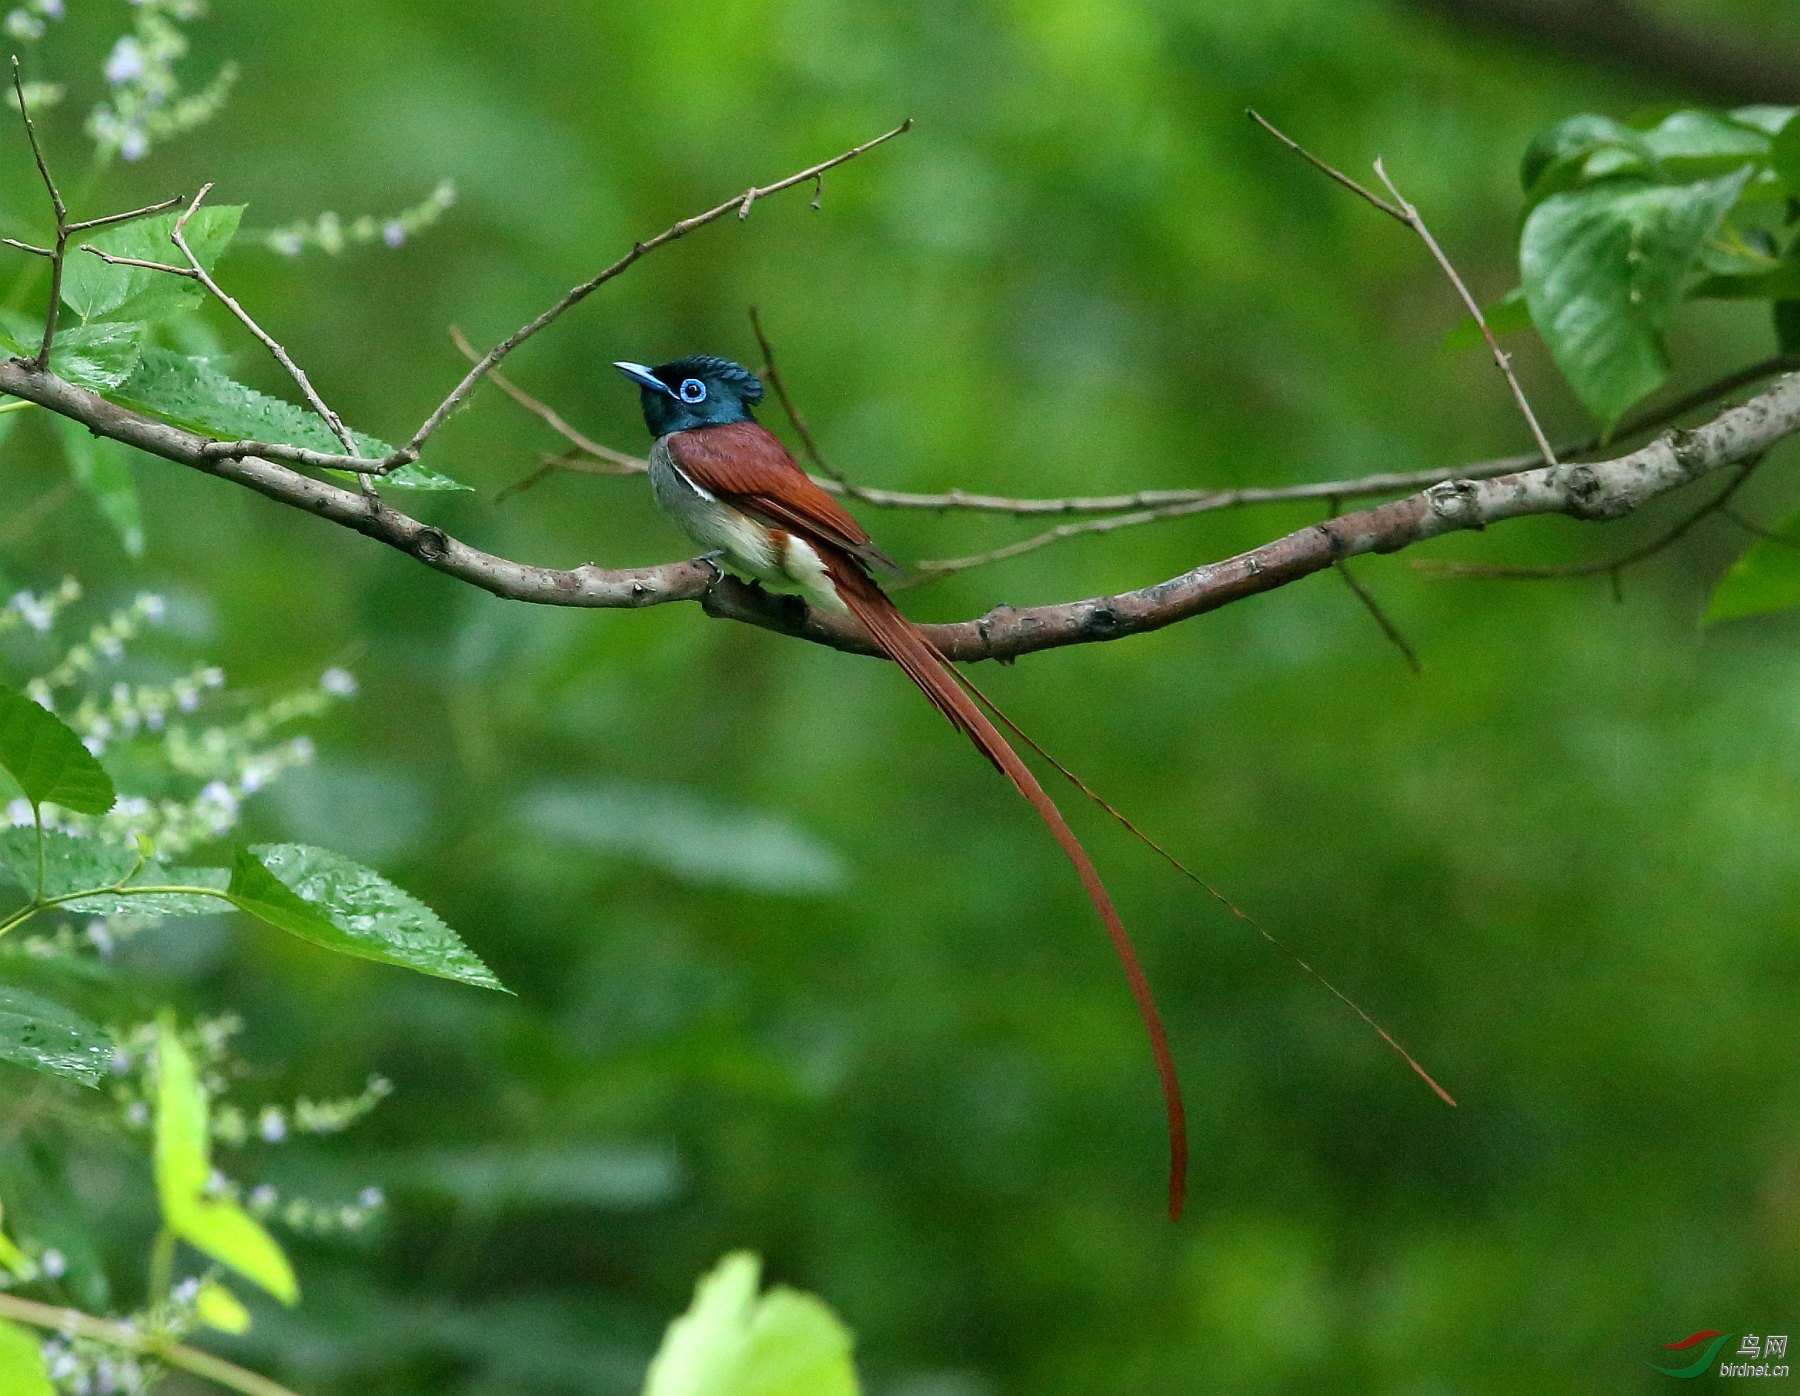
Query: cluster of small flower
[[209, 1042], [38, 612], [273, 1124], [308, 1218], [331, 234], [146, 103], [83, 1367]]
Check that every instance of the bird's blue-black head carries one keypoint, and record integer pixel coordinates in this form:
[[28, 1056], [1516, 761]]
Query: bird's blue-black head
[[698, 391]]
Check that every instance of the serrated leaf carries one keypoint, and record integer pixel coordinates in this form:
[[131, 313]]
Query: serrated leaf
[[73, 864], [95, 290], [97, 356], [343, 906], [1765, 578], [103, 472], [48, 760], [191, 393], [22, 1362], [217, 1307], [1603, 270], [733, 1342], [183, 1163], [47, 1037]]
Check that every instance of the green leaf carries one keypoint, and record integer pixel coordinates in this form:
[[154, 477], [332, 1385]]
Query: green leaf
[[191, 393], [73, 864], [343, 906], [22, 1362], [1766, 577], [1603, 270], [731, 1342], [48, 760], [103, 471], [1508, 315], [183, 1163], [1703, 144], [47, 1037], [217, 1307], [1580, 149], [97, 356], [94, 289]]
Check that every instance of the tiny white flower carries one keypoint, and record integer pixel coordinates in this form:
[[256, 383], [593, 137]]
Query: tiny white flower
[[272, 1124], [371, 1197], [125, 62], [186, 1291], [134, 144], [18, 811], [393, 232], [262, 1197], [339, 683], [152, 605], [137, 1113], [54, 1264], [96, 745]]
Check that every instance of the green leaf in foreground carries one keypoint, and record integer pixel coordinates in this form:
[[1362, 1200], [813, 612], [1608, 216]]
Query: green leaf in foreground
[[191, 393], [183, 1163], [73, 865], [47, 1037], [22, 1362], [1604, 268], [1765, 578], [102, 469], [94, 289], [48, 760], [733, 1342], [343, 906], [1508, 315]]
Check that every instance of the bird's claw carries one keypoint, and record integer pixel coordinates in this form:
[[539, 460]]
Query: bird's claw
[[712, 560]]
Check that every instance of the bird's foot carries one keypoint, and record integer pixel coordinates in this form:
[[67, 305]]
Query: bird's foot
[[712, 560]]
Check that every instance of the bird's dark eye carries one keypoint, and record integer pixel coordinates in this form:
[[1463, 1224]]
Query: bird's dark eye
[[692, 390]]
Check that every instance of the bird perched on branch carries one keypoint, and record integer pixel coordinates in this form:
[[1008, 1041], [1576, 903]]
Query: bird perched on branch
[[735, 490]]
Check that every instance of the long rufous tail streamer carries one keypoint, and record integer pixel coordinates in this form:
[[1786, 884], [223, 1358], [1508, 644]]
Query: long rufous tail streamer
[[906, 645], [1205, 886]]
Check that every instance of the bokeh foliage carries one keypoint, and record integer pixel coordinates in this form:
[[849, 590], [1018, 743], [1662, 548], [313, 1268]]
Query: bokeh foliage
[[891, 1054]]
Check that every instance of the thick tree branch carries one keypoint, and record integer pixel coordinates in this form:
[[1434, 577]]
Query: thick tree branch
[[1599, 491]]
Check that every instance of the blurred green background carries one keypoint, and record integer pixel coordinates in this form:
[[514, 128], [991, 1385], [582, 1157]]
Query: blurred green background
[[888, 1046]]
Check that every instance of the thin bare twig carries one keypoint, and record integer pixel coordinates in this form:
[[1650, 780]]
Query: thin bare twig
[[772, 376], [1381, 617], [178, 236], [138, 262], [58, 251], [1768, 535], [1446, 569], [739, 204], [549, 415], [160, 206], [1318, 164], [1502, 359]]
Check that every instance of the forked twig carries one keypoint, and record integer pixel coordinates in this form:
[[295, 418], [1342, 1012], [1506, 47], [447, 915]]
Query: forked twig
[[1403, 212], [57, 252], [771, 375], [178, 236], [625, 465], [1502, 359]]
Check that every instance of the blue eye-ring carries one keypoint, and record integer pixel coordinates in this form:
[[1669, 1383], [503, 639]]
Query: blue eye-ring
[[692, 390]]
